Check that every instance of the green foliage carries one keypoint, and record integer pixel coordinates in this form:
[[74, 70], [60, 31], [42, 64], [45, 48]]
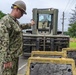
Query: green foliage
[[72, 44], [72, 30], [72, 25], [1, 14], [66, 33]]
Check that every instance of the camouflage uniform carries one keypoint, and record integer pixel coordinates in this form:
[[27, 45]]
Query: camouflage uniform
[[10, 43]]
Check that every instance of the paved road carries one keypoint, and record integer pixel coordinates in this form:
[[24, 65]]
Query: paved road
[[22, 65]]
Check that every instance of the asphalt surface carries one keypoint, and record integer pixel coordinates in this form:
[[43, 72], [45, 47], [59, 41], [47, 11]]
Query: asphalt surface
[[22, 65]]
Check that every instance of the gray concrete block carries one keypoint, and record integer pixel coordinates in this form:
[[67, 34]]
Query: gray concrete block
[[50, 69]]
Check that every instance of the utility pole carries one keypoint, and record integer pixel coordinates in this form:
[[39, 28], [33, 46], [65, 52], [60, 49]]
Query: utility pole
[[63, 23]]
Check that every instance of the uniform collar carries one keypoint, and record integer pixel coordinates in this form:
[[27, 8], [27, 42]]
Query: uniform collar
[[13, 18]]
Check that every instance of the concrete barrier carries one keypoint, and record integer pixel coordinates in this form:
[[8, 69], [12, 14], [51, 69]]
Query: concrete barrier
[[50, 66], [70, 53], [52, 54]]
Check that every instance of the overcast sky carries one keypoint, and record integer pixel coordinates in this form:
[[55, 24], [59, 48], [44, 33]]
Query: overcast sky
[[61, 5]]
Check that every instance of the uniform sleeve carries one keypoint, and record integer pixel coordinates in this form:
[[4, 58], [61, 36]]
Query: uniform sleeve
[[4, 43], [25, 26]]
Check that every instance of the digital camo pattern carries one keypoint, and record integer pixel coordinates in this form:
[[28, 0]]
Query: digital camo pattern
[[10, 42]]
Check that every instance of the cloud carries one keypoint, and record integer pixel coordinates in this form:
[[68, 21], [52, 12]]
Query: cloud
[[5, 6]]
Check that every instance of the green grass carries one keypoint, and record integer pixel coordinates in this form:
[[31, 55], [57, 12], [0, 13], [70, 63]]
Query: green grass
[[72, 44]]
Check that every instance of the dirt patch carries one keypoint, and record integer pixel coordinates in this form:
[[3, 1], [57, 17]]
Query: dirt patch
[[72, 39]]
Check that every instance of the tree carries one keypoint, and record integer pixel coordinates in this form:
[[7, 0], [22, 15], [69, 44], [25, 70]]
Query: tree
[[72, 25], [1, 14], [72, 30]]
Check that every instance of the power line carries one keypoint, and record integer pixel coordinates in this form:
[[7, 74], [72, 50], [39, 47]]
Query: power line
[[67, 4], [70, 5], [73, 4]]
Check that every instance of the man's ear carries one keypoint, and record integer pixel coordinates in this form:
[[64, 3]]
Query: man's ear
[[17, 9]]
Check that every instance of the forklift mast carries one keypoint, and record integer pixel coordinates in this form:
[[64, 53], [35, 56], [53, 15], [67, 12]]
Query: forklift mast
[[46, 21]]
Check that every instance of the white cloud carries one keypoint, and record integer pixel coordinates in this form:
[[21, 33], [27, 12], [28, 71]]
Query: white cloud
[[5, 6]]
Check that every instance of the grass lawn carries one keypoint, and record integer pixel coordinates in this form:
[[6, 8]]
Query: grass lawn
[[72, 44]]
